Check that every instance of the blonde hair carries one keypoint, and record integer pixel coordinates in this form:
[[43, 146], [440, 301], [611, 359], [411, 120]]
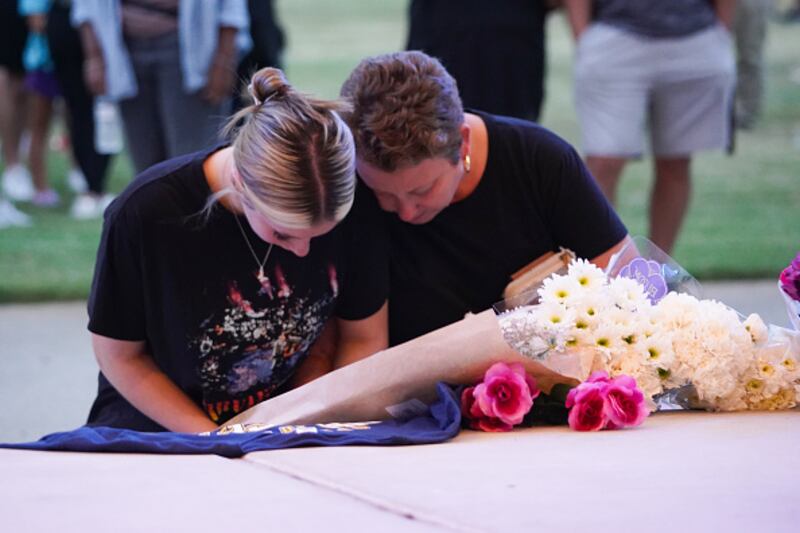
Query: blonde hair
[[406, 109], [294, 153]]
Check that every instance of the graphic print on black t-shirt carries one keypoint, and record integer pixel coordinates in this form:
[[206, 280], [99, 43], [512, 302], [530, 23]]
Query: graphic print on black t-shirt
[[252, 346], [182, 280]]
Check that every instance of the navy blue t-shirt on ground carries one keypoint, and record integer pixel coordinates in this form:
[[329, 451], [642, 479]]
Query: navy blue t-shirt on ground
[[440, 422]]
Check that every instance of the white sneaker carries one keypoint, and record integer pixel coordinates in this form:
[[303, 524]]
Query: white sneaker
[[88, 206], [76, 180], [105, 201], [17, 183], [11, 216]]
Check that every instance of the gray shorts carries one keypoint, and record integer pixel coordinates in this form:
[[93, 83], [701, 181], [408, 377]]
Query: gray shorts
[[680, 89]]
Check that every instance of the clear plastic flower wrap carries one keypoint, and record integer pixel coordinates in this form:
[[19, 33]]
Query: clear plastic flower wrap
[[644, 317]]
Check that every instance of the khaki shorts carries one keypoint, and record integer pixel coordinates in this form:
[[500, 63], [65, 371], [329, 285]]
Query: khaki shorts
[[680, 89]]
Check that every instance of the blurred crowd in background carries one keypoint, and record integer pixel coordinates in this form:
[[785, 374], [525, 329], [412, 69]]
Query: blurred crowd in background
[[164, 74]]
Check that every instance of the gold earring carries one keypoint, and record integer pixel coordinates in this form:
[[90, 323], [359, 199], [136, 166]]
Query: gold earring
[[467, 163]]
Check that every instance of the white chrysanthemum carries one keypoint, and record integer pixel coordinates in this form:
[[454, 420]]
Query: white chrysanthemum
[[658, 349], [618, 317], [559, 289], [790, 365], [605, 336], [649, 323], [766, 370], [757, 329], [583, 336], [676, 310], [553, 313], [629, 361], [631, 326], [649, 383], [584, 323], [587, 275], [592, 306], [628, 294], [715, 382]]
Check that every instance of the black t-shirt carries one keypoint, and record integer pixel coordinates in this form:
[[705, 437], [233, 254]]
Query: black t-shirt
[[535, 196], [188, 286], [656, 18], [494, 50]]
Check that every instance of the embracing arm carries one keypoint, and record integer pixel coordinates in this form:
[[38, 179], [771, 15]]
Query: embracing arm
[[135, 375], [603, 259], [361, 338], [343, 342]]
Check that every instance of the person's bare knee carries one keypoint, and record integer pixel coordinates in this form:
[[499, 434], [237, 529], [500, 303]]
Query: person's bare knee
[[607, 171], [673, 168]]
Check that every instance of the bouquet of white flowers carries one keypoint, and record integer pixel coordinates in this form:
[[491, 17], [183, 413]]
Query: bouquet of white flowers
[[634, 324]]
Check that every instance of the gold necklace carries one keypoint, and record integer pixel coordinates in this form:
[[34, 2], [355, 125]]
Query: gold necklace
[[260, 276]]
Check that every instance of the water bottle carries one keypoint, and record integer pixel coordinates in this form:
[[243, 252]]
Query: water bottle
[[107, 127]]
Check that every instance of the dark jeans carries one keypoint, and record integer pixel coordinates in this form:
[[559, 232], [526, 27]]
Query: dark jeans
[[162, 121], [65, 49]]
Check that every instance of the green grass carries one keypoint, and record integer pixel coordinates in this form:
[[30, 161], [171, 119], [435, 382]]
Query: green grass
[[744, 220]]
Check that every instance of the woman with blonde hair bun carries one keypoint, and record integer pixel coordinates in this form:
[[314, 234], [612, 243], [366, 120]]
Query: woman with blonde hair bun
[[217, 271]]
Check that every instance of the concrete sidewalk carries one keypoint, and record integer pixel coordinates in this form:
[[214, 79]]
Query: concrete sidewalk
[[49, 375]]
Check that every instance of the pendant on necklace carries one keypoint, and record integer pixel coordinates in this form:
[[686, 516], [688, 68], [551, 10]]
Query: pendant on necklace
[[266, 285]]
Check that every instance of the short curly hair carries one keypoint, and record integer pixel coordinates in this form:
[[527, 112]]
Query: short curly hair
[[405, 108]]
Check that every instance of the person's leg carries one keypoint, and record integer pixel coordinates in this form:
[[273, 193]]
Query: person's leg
[[80, 119], [690, 111], [140, 114], [750, 32], [669, 200], [611, 102], [68, 63], [16, 180], [39, 126], [190, 123], [607, 171], [12, 115]]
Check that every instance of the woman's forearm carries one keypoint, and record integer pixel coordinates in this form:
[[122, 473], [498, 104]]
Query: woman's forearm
[[89, 43], [136, 376], [579, 14], [726, 10]]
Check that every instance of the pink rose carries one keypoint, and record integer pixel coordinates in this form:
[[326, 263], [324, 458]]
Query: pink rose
[[477, 419], [625, 405], [599, 376], [506, 393], [586, 404], [790, 279]]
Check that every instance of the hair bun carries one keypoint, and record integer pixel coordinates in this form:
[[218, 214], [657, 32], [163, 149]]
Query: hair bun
[[268, 83]]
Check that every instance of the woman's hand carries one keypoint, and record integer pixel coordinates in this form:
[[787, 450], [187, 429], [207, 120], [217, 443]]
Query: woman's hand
[[137, 377], [220, 79], [94, 65], [221, 75], [320, 356], [94, 74]]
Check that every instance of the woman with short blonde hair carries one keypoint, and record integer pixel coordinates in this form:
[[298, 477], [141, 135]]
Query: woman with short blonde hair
[[477, 196]]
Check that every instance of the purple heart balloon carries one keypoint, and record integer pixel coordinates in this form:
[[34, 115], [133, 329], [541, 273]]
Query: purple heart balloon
[[648, 274]]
